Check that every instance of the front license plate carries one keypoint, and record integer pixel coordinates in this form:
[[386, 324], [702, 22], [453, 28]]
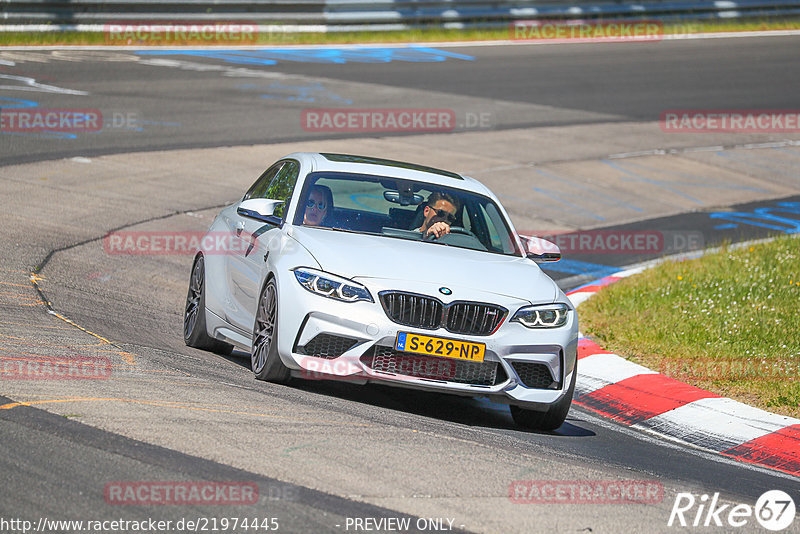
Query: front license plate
[[436, 346]]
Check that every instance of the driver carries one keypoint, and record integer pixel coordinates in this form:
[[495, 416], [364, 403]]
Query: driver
[[440, 212]]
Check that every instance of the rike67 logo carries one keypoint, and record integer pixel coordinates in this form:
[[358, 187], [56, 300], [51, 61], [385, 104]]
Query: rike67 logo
[[774, 510]]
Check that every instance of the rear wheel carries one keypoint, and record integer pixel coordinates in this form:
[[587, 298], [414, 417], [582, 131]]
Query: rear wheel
[[264, 358], [550, 419], [194, 316]]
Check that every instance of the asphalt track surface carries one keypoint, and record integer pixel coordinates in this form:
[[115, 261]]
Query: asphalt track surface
[[323, 452], [179, 105]]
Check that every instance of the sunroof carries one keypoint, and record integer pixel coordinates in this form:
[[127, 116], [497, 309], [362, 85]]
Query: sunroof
[[348, 158]]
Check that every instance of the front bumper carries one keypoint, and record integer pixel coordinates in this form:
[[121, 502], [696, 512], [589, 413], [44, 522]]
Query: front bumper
[[320, 338]]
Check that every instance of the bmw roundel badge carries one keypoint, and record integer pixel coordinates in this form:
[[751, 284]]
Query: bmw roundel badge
[[445, 291]]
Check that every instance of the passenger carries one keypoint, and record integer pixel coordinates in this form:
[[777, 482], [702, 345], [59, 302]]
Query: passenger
[[318, 205], [440, 212]]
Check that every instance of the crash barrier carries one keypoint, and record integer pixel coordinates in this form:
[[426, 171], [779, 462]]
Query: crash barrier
[[345, 15]]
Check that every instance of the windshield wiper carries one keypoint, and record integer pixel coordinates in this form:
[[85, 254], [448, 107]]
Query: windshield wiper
[[347, 230]]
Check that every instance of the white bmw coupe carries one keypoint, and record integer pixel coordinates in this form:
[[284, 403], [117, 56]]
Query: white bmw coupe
[[356, 268]]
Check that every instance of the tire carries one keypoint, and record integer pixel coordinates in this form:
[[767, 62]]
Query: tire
[[550, 419], [195, 333], [264, 358]]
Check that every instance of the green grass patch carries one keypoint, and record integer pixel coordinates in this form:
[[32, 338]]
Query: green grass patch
[[728, 322], [433, 34]]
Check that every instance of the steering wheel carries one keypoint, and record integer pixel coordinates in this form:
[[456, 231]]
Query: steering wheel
[[453, 230], [459, 230]]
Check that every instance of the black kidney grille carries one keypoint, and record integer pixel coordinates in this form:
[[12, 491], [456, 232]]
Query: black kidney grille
[[412, 310], [461, 317], [473, 318]]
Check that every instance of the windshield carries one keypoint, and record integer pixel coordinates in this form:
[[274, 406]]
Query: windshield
[[390, 207]]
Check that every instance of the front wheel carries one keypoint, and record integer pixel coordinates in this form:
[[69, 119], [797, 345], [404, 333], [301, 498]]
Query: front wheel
[[194, 314], [264, 358], [550, 419]]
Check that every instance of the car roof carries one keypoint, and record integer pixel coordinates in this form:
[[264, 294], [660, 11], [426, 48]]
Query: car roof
[[351, 163]]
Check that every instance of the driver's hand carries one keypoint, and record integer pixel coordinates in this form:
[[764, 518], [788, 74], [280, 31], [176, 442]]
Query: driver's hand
[[438, 229]]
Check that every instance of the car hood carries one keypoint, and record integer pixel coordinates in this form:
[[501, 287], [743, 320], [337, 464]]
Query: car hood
[[360, 256]]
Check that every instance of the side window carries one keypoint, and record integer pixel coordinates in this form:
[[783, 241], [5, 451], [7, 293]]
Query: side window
[[259, 188], [282, 185]]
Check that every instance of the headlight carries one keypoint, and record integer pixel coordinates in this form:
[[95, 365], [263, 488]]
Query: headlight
[[543, 316], [331, 286]]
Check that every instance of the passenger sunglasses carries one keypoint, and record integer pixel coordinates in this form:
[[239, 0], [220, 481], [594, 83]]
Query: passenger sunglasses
[[320, 205]]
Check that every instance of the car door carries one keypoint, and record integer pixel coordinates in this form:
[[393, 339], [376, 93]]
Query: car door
[[248, 258]]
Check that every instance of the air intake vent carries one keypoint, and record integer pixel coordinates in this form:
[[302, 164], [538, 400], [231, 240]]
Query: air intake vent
[[327, 346], [388, 360], [535, 375]]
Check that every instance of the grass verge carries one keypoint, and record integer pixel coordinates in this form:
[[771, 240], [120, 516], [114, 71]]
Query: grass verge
[[728, 322], [433, 34]]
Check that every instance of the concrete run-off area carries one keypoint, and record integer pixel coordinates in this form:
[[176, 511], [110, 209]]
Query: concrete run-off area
[[127, 310]]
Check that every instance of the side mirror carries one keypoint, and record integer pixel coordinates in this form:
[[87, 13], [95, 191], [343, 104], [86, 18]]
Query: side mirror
[[540, 250], [260, 209]]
